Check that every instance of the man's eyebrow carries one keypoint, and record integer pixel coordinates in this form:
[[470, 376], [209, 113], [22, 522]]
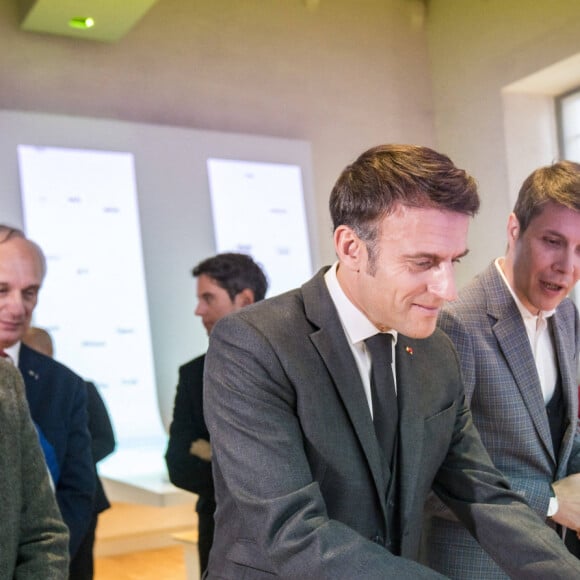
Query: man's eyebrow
[[555, 233], [434, 257]]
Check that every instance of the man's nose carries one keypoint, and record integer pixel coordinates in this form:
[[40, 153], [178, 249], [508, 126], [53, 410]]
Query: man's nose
[[15, 304], [569, 263], [442, 282]]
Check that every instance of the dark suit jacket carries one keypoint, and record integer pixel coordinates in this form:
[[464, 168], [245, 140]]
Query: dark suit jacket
[[33, 537], [505, 395], [186, 470], [102, 439], [297, 471], [57, 398]]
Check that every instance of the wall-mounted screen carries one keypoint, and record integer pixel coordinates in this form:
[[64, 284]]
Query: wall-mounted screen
[[81, 207], [258, 209]]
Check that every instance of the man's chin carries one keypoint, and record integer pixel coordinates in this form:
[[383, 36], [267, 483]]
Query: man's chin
[[421, 330], [8, 340]]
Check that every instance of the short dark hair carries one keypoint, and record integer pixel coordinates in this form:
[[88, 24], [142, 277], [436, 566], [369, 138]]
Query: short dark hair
[[558, 183], [234, 273], [385, 175]]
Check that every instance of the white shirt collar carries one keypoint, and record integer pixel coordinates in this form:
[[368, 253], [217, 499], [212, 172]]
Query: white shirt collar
[[356, 325], [14, 352]]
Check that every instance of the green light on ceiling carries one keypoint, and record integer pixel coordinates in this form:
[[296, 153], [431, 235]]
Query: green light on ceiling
[[81, 22]]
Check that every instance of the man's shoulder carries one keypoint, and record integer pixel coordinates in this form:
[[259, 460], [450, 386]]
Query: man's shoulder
[[280, 323], [272, 312], [37, 366], [286, 308], [472, 300], [486, 282], [567, 309], [566, 319], [192, 369]]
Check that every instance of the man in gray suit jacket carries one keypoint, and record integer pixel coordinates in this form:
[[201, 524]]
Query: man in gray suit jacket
[[517, 335], [33, 537], [306, 485]]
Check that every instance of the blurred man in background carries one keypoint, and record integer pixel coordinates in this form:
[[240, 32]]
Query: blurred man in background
[[225, 283], [102, 444]]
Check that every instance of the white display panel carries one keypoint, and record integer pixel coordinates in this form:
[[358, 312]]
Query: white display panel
[[258, 209], [81, 207]]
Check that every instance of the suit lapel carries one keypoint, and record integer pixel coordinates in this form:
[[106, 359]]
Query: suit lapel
[[513, 342], [31, 370], [330, 341], [562, 345], [28, 364]]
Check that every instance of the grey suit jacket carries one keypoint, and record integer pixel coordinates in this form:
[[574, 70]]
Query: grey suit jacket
[[33, 537], [297, 473], [503, 387]]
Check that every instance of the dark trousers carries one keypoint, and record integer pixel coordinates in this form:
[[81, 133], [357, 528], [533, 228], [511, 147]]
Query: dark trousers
[[81, 565], [573, 543], [205, 528]]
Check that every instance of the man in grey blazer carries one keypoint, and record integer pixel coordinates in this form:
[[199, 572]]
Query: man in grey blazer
[[306, 485], [33, 537], [517, 335]]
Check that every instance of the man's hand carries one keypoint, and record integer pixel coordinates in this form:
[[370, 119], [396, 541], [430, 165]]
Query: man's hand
[[568, 494], [201, 448]]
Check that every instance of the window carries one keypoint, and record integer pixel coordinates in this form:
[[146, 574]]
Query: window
[[568, 107]]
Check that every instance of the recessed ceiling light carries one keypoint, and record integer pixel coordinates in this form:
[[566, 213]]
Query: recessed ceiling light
[[81, 22]]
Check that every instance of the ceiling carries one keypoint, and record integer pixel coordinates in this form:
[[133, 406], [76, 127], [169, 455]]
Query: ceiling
[[112, 18]]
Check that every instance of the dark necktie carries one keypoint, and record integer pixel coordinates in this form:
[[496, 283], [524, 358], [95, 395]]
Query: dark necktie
[[383, 393]]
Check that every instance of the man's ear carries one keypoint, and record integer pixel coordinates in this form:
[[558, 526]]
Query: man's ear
[[350, 249], [244, 298], [513, 229]]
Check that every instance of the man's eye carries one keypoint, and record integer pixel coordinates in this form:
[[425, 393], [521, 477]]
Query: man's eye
[[423, 264], [552, 241]]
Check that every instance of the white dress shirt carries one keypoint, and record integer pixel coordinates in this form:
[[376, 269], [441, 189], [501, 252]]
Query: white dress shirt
[[357, 328]]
